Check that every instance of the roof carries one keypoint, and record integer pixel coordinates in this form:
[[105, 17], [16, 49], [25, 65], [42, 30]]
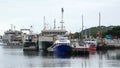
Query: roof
[[54, 31], [62, 41]]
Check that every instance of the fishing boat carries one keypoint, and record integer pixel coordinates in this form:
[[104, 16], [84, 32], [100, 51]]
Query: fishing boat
[[80, 47], [12, 37], [61, 47], [61, 42], [31, 43], [84, 47], [92, 45]]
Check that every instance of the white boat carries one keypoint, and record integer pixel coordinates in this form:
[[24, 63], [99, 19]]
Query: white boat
[[80, 47], [84, 47], [12, 37]]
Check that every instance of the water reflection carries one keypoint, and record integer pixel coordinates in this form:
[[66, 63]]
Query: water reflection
[[113, 54], [113, 57], [12, 47], [54, 55], [78, 55], [101, 52], [30, 53], [56, 63], [17, 58], [62, 55]]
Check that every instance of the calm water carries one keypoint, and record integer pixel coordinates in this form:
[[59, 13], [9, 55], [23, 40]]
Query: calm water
[[15, 58]]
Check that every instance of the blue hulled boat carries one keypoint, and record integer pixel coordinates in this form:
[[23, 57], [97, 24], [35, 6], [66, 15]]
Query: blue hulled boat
[[61, 47]]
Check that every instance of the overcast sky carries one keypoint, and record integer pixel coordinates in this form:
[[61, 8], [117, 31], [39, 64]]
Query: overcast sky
[[24, 13]]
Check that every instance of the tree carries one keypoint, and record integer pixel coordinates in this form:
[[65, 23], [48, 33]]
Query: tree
[[76, 35], [115, 31], [94, 32]]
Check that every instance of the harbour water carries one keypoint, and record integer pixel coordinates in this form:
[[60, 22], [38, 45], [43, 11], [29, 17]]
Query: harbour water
[[12, 57]]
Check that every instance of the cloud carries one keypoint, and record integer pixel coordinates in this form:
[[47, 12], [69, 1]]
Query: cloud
[[31, 12]]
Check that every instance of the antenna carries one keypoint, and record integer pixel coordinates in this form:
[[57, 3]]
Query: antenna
[[62, 10], [82, 23], [31, 29], [44, 24], [54, 23], [11, 26]]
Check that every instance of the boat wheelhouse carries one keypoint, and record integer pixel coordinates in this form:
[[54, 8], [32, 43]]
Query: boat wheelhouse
[[48, 37]]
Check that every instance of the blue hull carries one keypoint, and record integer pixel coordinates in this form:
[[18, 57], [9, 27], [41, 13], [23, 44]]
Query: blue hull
[[63, 51]]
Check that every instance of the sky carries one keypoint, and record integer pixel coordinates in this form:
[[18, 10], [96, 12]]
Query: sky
[[24, 13]]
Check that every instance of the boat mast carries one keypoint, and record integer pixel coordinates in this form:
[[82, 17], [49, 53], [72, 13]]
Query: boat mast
[[99, 19], [100, 31], [100, 24], [62, 10], [82, 28]]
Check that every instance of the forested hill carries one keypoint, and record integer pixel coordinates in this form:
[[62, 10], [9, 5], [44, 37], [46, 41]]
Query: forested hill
[[93, 29]]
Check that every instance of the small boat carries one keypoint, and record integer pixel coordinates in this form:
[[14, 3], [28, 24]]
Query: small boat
[[80, 48], [92, 45], [61, 47], [96, 46], [84, 47]]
